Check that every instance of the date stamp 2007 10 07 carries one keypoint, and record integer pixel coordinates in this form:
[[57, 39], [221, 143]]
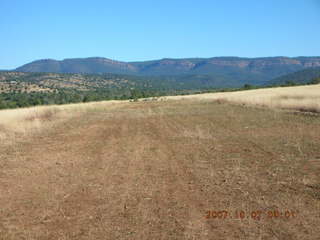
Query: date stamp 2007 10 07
[[256, 215]]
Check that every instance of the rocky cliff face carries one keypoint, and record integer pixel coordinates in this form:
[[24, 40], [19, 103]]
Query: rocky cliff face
[[265, 62]]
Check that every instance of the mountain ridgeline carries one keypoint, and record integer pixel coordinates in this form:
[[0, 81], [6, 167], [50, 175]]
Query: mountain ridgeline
[[24, 89], [226, 71]]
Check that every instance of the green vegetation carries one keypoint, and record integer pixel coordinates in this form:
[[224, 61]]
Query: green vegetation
[[315, 80], [65, 96], [306, 76], [19, 89]]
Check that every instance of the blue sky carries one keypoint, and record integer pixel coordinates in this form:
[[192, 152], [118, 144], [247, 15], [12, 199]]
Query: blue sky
[[134, 30]]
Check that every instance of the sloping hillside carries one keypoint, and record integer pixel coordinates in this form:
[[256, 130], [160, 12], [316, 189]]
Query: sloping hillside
[[85, 82], [69, 81], [300, 77]]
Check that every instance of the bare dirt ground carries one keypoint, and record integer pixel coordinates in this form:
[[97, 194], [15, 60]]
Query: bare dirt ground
[[153, 170]]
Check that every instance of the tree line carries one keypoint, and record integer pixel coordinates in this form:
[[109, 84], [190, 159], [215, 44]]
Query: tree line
[[16, 99]]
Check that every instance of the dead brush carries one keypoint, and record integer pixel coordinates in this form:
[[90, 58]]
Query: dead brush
[[45, 116], [221, 101], [2, 132], [309, 109]]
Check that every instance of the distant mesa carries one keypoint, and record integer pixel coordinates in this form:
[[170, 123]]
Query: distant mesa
[[252, 70]]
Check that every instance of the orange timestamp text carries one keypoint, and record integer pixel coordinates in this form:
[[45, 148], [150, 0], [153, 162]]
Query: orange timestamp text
[[256, 215]]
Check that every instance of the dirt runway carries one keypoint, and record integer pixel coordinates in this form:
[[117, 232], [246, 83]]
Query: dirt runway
[[155, 170]]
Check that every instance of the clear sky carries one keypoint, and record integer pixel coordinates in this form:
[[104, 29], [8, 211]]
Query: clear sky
[[133, 30]]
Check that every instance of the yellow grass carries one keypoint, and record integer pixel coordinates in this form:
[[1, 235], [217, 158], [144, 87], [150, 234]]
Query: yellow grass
[[17, 123], [302, 98]]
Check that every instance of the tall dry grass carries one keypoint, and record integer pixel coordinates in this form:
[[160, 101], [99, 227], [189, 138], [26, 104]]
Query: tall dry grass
[[301, 98], [19, 123], [16, 123]]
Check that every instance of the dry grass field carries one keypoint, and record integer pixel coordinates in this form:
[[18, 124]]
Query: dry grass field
[[155, 170], [300, 98]]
